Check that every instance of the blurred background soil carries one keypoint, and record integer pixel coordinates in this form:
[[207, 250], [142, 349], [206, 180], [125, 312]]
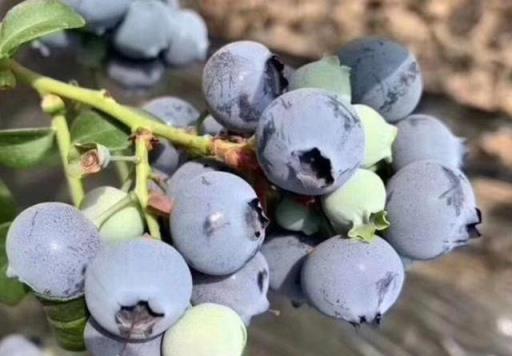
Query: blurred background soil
[[458, 305]]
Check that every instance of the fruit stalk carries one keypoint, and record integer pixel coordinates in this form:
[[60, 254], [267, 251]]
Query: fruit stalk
[[54, 106], [143, 173]]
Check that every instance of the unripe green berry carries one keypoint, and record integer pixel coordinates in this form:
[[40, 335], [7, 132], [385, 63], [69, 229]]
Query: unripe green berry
[[379, 135], [357, 207], [206, 330], [326, 73], [293, 216], [125, 224]]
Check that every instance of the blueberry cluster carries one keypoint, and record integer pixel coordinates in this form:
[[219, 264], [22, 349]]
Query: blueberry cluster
[[325, 136], [144, 36]]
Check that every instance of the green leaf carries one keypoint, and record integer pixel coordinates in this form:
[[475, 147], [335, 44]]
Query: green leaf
[[92, 127], [32, 19], [7, 79], [67, 320], [7, 204], [11, 291], [25, 148]]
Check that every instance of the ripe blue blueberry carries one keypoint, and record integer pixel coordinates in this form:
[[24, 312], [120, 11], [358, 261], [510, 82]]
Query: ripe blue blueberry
[[285, 253], [100, 342], [423, 137], [432, 210], [210, 126], [18, 345], [188, 171], [143, 33], [188, 38], [239, 81], [135, 74], [173, 111], [309, 141], [137, 289], [384, 75], [49, 247], [294, 216], [244, 291], [100, 15], [217, 222], [353, 280]]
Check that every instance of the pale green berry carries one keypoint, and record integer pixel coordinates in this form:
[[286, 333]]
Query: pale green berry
[[357, 207], [293, 216], [326, 73], [124, 224], [206, 330], [379, 135]]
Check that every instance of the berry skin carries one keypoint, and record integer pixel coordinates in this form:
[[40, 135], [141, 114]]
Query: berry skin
[[125, 224], [432, 210], [384, 76], [210, 126], [239, 81], [379, 136], [188, 38], [188, 171], [422, 137], [133, 74], [100, 15], [244, 291], [149, 288], [357, 207], [309, 141], [285, 254], [173, 111], [353, 280], [99, 342], [136, 39], [217, 223], [293, 216], [18, 345], [326, 73], [49, 247], [206, 330]]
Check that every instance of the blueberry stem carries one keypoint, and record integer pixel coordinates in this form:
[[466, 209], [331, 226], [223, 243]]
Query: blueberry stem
[[143, 173], [123, 203], [54, 106]]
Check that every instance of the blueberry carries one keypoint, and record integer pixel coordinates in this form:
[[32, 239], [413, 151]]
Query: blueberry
[[309, 141], [49, 246], [285, 253], [353, 280], [137, 289], [100, 342], [206, 330], [210, 126], [124, 224], [18, 345], [432, 210], [60, 41], [294, 216], [423, 137], [100, 15], [173, 111], [385, 76], [135, 74], [357, 207], [326, 73], [143, 32], [239, 81], [244, 291], [379, 136], [165, 157], [188, 171], [188, 38], [217, 222]]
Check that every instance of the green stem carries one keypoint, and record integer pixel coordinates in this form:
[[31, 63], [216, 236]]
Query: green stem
[[102, 101], [142, 175], [75, 185], [132, 159], [121, 204]]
